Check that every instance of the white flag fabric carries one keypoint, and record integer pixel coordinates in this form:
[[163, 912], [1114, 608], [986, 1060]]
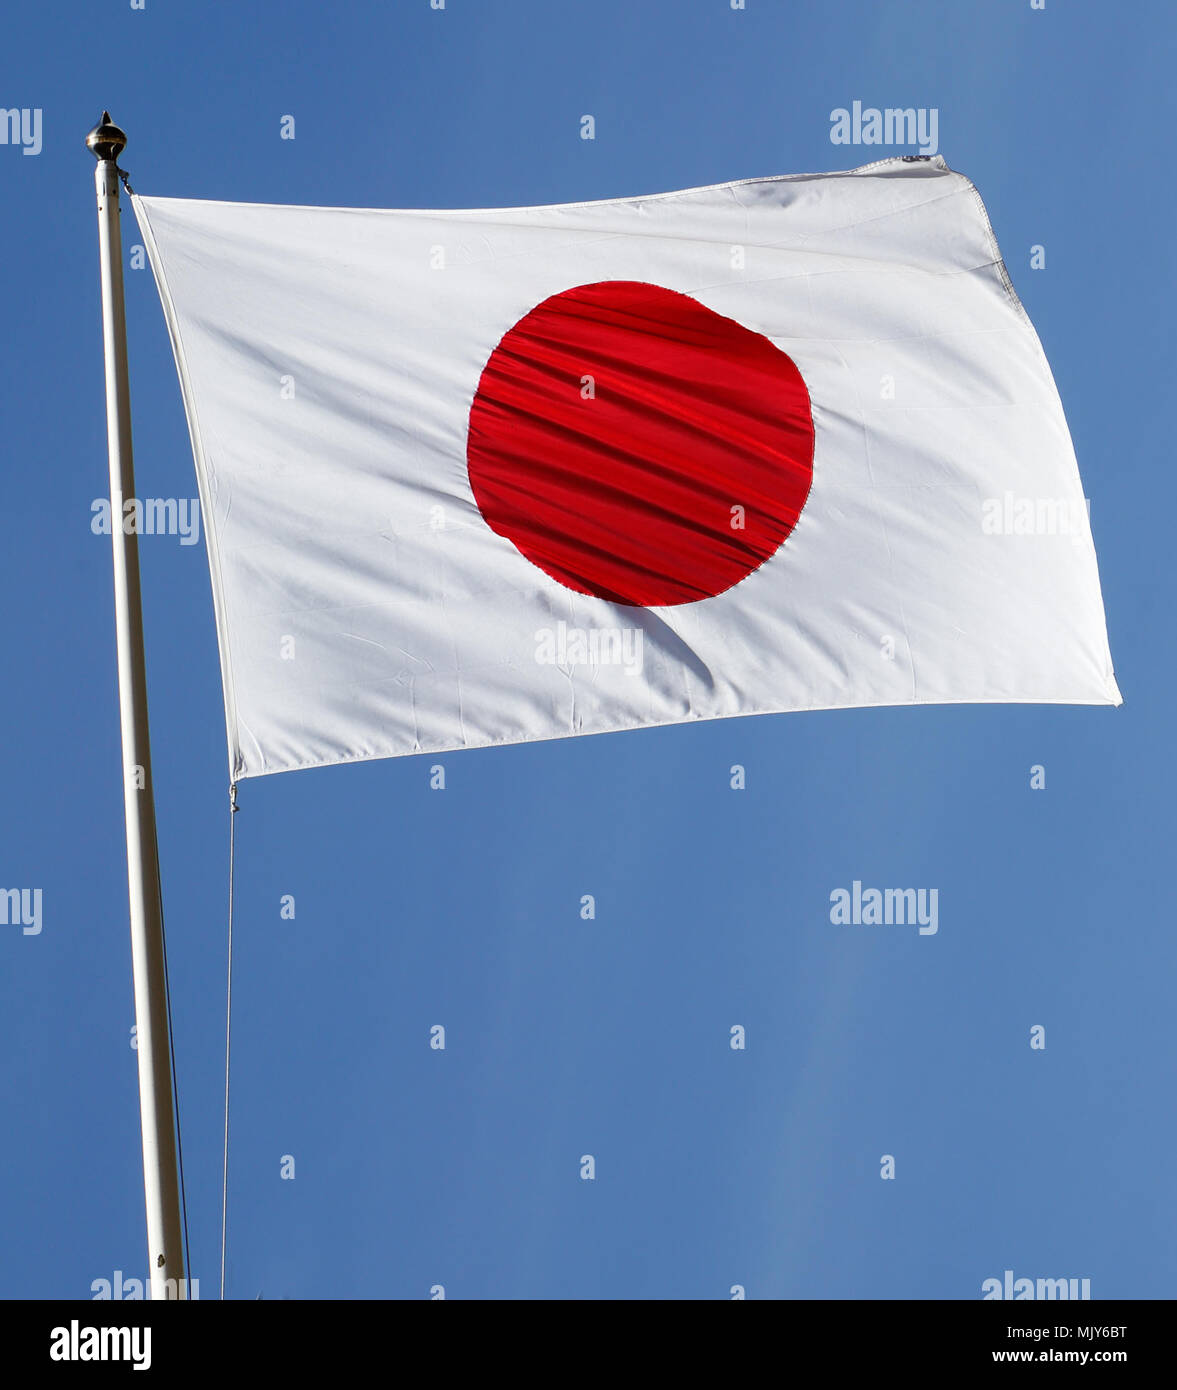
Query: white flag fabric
[[481, 477]]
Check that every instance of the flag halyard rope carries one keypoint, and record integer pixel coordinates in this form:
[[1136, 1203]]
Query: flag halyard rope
[[228, 1023]]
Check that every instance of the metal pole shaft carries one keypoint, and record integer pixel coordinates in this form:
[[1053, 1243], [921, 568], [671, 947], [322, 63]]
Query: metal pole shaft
[[160, 1176]]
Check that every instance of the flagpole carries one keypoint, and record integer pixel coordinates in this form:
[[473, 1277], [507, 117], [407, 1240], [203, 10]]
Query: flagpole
[[160, 1177]]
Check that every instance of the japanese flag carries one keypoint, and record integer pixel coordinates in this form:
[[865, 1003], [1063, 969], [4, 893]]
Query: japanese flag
[[481, 477]]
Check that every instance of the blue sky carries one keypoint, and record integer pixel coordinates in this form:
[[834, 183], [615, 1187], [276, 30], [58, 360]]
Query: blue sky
[[760, 1168]]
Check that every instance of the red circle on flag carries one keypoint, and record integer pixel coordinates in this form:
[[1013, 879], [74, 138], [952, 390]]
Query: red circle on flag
[[637, 446]]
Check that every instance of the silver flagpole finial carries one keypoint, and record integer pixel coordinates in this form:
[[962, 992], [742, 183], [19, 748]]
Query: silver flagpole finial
[[106, 140]]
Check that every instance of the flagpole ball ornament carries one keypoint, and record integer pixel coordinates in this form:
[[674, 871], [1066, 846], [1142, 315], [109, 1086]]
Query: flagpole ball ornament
[[106, 141]]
